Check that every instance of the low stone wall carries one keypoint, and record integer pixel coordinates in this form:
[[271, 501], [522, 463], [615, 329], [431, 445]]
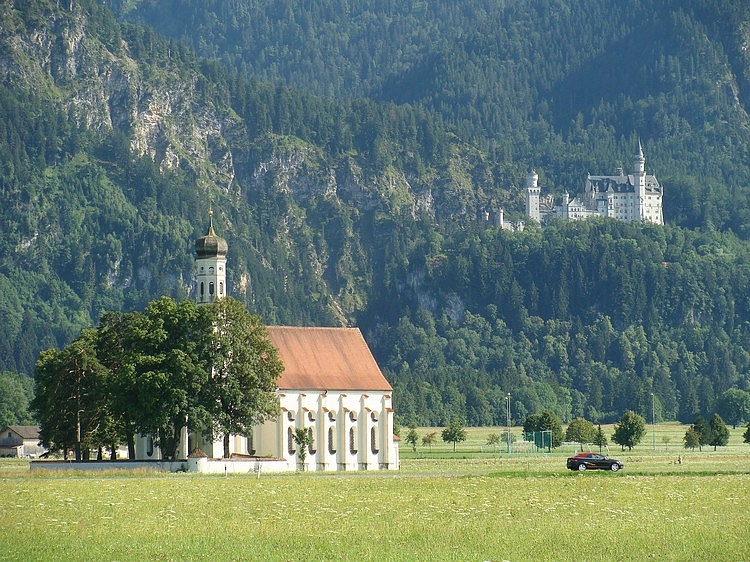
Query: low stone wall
[[198, 465], [155, 466]]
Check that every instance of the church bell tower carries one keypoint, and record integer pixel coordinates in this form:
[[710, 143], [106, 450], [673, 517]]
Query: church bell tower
[[210, 262]]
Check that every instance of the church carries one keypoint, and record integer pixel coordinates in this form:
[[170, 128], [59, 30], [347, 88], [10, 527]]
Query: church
[[331, 387], [627, 197]]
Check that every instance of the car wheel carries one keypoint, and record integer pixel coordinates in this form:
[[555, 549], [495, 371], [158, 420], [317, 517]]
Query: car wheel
[[615, 467], [581, 467]]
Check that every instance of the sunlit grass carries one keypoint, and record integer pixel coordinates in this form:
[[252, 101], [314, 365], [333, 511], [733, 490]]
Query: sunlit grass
[[375, 517], [489, 507]]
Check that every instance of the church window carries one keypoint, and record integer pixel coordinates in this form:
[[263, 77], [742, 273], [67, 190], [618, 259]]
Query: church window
[[221, 288], [202, 289], [311, 441], [211, 288], [373, 440], [150, 446], [290, 438], [332, 440], [352, 440]]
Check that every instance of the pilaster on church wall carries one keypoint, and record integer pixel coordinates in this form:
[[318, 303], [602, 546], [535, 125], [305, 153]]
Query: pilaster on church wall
[[327, 420], [388, 456], [341, 411], [349, 415]]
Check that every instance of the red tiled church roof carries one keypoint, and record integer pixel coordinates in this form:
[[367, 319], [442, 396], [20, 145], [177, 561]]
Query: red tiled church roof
[[326, 359]]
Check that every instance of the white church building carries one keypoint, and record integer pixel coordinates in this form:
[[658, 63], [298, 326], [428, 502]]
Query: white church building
[[331, 387], [628, 197]]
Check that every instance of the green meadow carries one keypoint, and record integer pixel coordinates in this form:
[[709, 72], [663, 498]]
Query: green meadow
[[477, 504]]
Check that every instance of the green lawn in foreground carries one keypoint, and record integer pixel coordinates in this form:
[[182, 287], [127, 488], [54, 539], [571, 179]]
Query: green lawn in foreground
[[526, 507]]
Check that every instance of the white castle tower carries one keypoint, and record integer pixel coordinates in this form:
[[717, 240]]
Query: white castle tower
[[532, 196], [210, 262], [639, 179]]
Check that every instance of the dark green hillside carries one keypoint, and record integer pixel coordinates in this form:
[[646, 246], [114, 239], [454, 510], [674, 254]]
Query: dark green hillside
[[99, 217], [348, 151], [585, 318], [565, 86]]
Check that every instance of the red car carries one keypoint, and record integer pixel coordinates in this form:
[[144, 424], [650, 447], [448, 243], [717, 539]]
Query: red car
[[589, 461]]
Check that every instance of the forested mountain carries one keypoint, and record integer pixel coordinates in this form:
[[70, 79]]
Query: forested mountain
[[348, 151], [565, 86]]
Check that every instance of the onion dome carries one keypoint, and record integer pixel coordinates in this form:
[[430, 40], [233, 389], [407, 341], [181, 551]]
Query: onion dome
[[210, 245]]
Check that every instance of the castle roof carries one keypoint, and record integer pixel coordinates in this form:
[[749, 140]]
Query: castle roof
[[326, 359], [621, 184]]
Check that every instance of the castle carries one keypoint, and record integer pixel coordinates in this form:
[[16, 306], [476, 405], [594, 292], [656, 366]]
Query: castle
[[627, 197]]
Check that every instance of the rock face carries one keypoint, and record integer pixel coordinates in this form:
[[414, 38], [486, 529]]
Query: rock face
[[105, 88], [162, 108], [167, 119]]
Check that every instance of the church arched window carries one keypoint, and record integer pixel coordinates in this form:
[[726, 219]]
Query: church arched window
[[211, 288], [374, 440], [311, 441], [290, 438], [221, 288], [352, 440], [332, 440]]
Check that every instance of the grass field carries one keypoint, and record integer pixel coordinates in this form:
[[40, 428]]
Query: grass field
[[478, 505]]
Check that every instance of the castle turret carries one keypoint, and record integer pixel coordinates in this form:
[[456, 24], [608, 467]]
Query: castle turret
[[210, 262], [639, 178], [532, 196]]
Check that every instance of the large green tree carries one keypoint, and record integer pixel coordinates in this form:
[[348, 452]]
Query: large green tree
[[702, 429], [70, 399], [16, 392], [125, 346], [581, 431], [173, 369], [733, 406], [546, 421], [692, 438], [240, 391], [719, 433], [630, 430], [454, 433], [600, 440]]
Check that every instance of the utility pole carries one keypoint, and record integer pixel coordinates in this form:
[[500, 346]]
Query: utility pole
[[653, 423], [507, 419]]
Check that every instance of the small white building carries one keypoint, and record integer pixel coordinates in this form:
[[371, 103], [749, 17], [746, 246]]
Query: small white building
[[20, 441]]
